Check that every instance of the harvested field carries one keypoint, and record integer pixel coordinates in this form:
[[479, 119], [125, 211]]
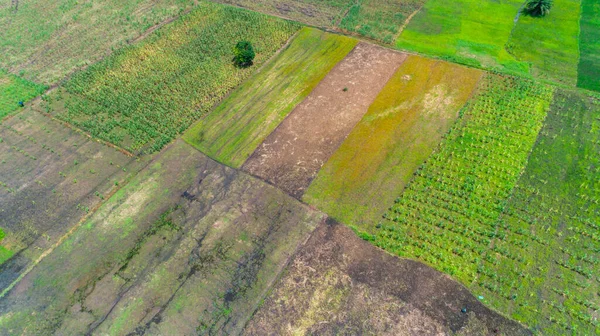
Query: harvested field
[[188, 247], [231, 132], [291, 156], [339, 284], [50, 177], [403, 126]]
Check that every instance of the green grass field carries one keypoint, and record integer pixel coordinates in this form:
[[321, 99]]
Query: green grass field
[[550, 43], [45, 40], [466, 31], [401, 129], [5, 253], [14, 90], [144, 95], [589, 46], [231, 132]]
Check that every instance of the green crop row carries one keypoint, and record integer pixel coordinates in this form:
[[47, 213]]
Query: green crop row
[[144, 95]]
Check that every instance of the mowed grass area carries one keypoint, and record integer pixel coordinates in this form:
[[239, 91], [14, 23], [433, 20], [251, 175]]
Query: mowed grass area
[[551, 43], [45, 40], [376, 19], [448, 214], [144, 95], [231, 132], [544, 265], [401, 129], [465, 31], [14, 90], [589, 46]]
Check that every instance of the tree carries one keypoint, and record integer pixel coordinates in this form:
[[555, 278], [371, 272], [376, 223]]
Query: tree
[[538, 7], [244, 54]]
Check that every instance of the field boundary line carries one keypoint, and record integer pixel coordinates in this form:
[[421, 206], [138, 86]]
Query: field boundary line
[[406, 22]]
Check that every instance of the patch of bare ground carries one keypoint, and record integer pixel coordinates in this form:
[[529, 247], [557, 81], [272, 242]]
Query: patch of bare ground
[[339, 284], [292, 155], [51, 176]]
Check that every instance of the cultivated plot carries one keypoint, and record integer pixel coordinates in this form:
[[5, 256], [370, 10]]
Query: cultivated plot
[[550, 44], [404, 124], [448, 214], [589, 46], [188, 247], [291, 156], [46, 40], [339, 284], [471, 32], [50, 177], [14, 90], [231, 132], [143, 96]]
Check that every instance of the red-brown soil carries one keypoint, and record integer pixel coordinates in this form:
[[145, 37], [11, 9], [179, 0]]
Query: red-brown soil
[[292, 155]]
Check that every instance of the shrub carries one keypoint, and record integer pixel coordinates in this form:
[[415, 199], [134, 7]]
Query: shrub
[[244, 54], [538, 7]]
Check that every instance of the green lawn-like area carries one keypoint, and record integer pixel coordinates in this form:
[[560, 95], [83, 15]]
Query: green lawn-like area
[[13, 90], [401, 129], [589, 46], [244, 119], [550, 43], [144, 95], [471, 32], [5, 253]]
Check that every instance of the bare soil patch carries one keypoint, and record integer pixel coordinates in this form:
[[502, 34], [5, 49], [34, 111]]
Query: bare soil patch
[[340, 284], [292, 155]]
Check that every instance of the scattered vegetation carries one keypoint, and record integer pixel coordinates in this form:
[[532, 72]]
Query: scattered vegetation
[[245, 118], [144, 95]]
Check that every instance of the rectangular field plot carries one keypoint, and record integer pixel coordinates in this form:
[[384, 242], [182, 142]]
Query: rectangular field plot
[[544, 265], [189, 246], [143, 96], [245, 118], [14, 90], [589, 46], [448, 214], [291, 156], [467, 31], [550, 43], [402, 127], [50, 178], [46, 40]]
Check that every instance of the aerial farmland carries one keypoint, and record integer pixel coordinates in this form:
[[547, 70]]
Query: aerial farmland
[[300, 167]]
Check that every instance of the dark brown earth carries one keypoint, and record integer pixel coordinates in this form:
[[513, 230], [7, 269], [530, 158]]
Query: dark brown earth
[[340, 284], [292, 155], [51, 176]]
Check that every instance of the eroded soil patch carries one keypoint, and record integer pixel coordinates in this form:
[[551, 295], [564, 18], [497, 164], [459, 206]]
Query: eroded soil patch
[[291, 156]]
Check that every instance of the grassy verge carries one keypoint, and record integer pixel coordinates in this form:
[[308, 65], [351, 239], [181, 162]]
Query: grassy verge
[[589, 46], [549, 44], [144, 95], [233, 130], [401, 129], [13, 90], [470, 32]]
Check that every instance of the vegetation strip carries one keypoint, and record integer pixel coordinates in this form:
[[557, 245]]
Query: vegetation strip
[[589, 46], [144, 95], [401, 129], [248, 115]]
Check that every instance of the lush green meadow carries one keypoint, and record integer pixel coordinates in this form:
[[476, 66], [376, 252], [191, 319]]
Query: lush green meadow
[[402, 127], [14, 90], [589, 46], [245, 118], [45, 40], [144, 95], [550, 44], [466, 31]]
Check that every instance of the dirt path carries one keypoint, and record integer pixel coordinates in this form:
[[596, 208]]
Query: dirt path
[[293, 154]]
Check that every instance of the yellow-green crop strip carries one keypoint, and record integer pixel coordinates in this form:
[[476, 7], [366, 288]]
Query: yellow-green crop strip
[[143, 96], [232, 132]]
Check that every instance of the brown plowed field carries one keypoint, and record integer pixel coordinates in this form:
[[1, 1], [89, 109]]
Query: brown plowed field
[[338, 284], [292, 155]]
